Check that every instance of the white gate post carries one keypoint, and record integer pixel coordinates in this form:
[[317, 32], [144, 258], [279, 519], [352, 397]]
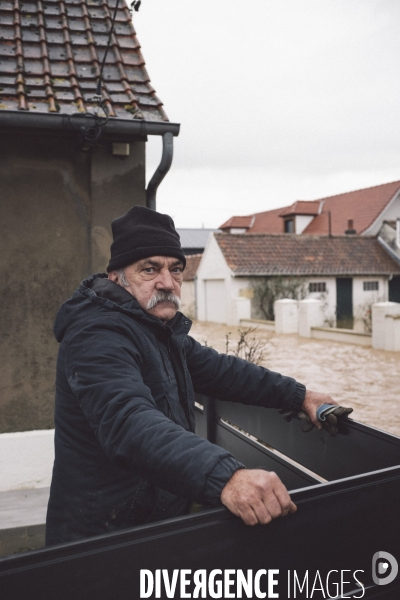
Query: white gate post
[[286, 316], [311, 314]]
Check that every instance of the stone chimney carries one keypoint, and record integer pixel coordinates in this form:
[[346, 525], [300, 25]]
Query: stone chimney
[[350, 229]]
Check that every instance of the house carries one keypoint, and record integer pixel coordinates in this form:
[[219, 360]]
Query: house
[[193, 242], [72, 148], [348, 272], [361, 212]]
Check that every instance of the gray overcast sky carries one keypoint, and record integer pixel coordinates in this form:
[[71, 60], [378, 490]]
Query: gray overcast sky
[[278, 100]]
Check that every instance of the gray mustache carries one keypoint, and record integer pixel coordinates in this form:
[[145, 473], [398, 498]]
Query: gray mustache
[[159, 297]]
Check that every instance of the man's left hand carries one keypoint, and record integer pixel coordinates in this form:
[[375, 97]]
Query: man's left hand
[[312, 401]]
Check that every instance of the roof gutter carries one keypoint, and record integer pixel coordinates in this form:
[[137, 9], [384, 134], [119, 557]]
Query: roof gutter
[[114, 126]]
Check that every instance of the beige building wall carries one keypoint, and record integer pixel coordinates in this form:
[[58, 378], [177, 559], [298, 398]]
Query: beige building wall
[[57, 203]]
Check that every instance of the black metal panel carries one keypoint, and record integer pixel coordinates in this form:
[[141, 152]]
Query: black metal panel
[[201, 422], [357, 449], [254, 456], [337, 526], [394, 289]]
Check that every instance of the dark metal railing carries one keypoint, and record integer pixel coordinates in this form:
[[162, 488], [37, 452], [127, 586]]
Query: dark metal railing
[[340, 523]]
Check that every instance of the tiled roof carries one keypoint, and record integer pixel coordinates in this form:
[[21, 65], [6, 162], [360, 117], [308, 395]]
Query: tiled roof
[[239, 222], [362, 206], [50, 57], [301, 207], [192, 263], [291, 254], [264, 222], [194, 238]]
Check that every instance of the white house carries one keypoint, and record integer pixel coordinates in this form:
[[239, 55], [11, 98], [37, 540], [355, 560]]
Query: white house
[[349, 272]]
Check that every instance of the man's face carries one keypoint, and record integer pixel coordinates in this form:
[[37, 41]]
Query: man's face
[[155, 282]]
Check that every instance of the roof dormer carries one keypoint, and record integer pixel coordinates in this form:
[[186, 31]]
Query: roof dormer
[[299, 215], [238, 224]]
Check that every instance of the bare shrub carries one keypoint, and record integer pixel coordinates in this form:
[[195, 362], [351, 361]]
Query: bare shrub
[[329, 316], [269, 289], [247, 347]]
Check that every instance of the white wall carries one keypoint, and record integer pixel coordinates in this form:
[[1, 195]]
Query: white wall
[[26, 459], [301, 222], [218, 293], [216, 300], [188, 299], [212, 267], [328, 298], [363, 300]]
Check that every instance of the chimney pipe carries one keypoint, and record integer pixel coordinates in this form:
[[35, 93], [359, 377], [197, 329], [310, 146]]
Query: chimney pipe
[[350, 229]]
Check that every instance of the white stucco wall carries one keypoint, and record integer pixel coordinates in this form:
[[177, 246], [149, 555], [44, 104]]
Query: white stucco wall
[[328, 298], [380, 324], [363, 300], [26, 459], [188, 299], [311, 314], [301, 222], [212, 267]]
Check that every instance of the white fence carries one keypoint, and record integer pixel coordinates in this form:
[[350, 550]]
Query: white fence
[[306, 318]]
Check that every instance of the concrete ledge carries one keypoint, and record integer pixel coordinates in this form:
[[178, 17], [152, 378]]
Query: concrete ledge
[[260, 323], [22, 520], [26, 459], [21, 539], [341, 335]]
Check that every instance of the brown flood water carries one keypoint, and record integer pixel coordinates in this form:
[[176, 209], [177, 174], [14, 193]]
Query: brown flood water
[[367, 380]]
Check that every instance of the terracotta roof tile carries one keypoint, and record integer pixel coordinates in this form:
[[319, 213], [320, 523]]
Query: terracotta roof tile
[[50, 57], [192, 263], [290, 254], [362, 206], [301, 207], [264, 222], [268, 222], [239, 222]]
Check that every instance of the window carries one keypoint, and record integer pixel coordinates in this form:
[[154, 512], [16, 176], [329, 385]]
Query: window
[[289, 226], [319, 286], [371, 286]]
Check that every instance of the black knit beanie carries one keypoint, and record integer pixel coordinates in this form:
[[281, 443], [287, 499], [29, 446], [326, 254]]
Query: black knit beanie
[[141, 233]]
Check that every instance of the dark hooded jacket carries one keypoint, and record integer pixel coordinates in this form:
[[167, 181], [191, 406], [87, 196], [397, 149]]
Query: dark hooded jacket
[[125, 448]]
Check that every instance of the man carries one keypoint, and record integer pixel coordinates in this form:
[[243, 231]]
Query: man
[[125, 448]]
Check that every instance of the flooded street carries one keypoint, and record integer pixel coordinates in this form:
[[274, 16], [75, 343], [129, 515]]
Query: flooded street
[[367, 380]]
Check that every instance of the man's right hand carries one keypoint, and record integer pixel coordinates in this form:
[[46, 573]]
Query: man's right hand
[[257, 496]]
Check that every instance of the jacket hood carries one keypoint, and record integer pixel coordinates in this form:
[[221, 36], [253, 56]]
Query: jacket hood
[[99, 292]]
